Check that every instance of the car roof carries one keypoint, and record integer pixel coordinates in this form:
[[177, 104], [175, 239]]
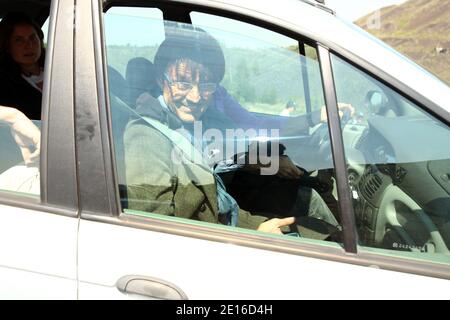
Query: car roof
[[38, 10], [312, 20]]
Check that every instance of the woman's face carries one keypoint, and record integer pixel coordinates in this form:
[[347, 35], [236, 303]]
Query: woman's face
[[25, 45]]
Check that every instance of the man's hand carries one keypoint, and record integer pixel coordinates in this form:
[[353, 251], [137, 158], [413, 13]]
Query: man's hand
[[287, 169], [24, 132], [275, 225], [341, 107], [283, 165]]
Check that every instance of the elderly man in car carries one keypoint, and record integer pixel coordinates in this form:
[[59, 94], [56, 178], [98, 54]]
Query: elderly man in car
[[173, 178]]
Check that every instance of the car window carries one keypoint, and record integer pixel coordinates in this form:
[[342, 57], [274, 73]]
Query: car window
[[17, 177], [20, 107], [147, 32], [265, 69], [220, 122], [399, 168]]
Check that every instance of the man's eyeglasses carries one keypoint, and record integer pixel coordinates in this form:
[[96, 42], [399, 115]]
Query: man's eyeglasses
[[185, 87]]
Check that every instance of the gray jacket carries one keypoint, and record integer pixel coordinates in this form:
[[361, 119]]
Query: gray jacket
[[158, 184]]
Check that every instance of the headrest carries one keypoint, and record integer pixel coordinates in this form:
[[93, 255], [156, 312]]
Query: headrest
[[117, 83], [140, 77]]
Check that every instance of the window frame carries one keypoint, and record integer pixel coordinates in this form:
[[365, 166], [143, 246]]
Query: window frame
[[209, 233], [346, 212]]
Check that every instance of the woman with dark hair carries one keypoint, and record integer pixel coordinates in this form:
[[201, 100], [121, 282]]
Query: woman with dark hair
[[22, 57]]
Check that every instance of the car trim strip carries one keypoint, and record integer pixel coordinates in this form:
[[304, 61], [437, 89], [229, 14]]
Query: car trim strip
[[337, 145]]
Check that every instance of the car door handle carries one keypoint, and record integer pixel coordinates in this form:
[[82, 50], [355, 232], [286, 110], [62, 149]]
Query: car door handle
[[150, 287]]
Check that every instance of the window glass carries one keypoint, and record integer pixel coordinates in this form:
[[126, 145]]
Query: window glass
[[20, 104], [130, 33], [399, 168], [264, 68], [212, 124], [17, 142]]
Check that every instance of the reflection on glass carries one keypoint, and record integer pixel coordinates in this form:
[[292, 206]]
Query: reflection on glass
[[399, 164], [213, 130]]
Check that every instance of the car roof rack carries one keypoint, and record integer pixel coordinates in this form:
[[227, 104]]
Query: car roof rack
[[319, 4]]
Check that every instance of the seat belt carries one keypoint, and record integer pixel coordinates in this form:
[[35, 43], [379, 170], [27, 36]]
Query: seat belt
[[181, 143], [225, 201]]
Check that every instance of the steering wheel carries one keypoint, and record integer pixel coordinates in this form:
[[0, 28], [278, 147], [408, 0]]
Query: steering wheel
[[320, 138]]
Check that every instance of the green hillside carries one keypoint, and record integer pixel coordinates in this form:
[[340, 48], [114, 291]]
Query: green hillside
[[420, 29]]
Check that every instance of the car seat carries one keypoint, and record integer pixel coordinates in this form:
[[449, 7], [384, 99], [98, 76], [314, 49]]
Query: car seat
[[117, 83], [140, 77]]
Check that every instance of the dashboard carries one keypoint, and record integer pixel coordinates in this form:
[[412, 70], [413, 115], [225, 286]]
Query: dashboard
[[399, 192]]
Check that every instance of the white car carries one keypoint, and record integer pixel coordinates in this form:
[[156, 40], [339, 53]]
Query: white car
[[67, 230]]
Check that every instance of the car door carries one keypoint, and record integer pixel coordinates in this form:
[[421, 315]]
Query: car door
[[131, 253], [38, 202]]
